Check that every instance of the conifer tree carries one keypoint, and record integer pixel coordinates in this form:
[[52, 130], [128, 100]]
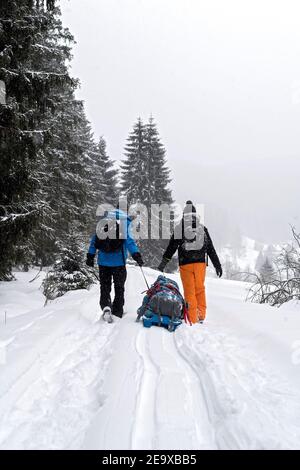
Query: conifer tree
[[105, 179], [267, 272], [133, 176], [48, 155], [259, 261], [65, 183], [156, 171], [29, 88], [69, 272], [145, 179]]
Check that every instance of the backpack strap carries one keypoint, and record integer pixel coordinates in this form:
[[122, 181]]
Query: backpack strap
[[123, 255]]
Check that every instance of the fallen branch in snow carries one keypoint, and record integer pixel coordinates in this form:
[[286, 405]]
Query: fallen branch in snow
[[37, 275]]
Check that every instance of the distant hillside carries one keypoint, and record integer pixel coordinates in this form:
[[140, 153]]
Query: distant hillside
[[248, 257]]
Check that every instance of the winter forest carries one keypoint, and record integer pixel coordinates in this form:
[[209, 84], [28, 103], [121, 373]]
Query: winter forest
[[55, 170], [48, 149]]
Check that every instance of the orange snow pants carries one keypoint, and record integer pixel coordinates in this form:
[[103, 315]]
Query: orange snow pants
[[193, 281]]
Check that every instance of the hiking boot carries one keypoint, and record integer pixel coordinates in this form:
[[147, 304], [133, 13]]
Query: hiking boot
[[106, 315], [118, 314]]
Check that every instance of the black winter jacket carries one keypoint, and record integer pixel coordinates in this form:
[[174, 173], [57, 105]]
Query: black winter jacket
[[192, 256]]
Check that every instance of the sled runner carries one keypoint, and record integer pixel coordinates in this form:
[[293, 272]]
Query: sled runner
[[163, 305], [161, 320]]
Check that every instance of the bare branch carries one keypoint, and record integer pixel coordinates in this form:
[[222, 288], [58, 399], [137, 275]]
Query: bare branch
[[284, 284]]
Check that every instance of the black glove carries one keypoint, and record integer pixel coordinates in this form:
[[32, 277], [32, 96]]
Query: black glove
[[90, 260], [138, 258], [162, 265], [219, 271]]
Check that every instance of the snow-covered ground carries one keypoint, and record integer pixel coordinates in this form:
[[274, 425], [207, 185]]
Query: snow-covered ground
[[68, 380]]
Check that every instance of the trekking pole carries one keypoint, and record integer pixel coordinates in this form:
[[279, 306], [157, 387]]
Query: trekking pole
[[145, 278]]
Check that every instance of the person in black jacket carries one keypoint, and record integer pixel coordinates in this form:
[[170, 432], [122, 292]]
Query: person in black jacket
[[194, 244]]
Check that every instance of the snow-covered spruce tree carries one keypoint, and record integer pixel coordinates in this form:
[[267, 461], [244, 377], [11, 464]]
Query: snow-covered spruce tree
[[104, 177], [54, 145], [132, 172], [68, 166], [67, 196], [259, 261], [145, 179], [28, 97], [53, 55], [72, 197], [157, 191], [266, 271], [69, 272], [230, 268], [66, 177]]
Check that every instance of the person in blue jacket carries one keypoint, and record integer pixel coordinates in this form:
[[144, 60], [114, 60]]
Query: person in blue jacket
[[112, 255]]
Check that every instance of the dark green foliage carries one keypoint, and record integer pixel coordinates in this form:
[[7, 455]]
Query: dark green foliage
[[103, 182], [69, 272], [133, 179], [64, 182], [145, 179], [29, 89], [105, 177], [52, 173]]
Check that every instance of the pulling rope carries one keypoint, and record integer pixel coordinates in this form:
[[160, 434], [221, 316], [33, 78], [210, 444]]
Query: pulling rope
[[145, 278]]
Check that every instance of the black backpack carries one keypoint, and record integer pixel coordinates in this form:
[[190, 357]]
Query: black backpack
[[190, 232], [110, 244]]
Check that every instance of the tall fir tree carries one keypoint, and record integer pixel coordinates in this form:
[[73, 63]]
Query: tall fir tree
[[68, 171], [267, 272], [145, 179], [259, 261], [48, 155], [156, 170], [132, 182], [28, 97], [65, 184], [105, 176], [63, 120]]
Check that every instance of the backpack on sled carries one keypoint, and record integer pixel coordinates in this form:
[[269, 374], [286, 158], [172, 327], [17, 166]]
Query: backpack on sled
[[163, 305]]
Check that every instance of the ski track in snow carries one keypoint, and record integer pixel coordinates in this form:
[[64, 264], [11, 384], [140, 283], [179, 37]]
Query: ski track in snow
[[145, 425], [245, 405], [59, 403], [92, 385], [170, 402]]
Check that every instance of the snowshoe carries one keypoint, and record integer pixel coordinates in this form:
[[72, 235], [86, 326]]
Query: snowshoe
[[107, 315]]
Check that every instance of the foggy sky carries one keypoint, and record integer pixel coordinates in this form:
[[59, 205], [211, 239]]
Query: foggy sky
[[222, 80]]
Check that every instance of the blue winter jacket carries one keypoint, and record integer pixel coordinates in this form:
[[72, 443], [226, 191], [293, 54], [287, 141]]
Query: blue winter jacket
[[116, 258]]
